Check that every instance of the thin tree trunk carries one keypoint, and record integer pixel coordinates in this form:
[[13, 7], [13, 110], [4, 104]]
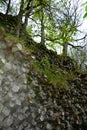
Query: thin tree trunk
[[26, 21], [28, 11], [8, 7], [42, 25], [65, 49], [42, 29], [20, 15]]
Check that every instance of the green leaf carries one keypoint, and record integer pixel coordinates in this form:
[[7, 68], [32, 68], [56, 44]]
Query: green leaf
[[86, 8], [85, 15]]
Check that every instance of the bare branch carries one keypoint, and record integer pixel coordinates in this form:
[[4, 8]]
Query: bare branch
[[81, 38], [76, 47]]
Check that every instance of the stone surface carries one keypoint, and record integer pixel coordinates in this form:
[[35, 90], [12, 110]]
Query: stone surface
[[36, 104]]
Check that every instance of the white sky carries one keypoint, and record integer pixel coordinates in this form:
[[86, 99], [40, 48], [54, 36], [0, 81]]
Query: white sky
[[84, 25]]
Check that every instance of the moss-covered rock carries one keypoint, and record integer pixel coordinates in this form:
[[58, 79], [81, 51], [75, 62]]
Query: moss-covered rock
[[29, 101]]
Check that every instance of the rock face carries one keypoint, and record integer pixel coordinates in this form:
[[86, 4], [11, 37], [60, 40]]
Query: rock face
[[9, 22], [60, 61], [29, 102]]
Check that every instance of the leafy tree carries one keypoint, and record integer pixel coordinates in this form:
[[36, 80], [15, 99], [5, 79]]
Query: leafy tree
[[40, 15], [58, 20], [65, 25]]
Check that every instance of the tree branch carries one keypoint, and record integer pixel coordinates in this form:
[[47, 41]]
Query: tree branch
[[76, 46], [81, 38]]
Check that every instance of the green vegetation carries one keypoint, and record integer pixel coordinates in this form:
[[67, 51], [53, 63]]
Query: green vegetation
[[55, 76], [48, 87], [54, 23]]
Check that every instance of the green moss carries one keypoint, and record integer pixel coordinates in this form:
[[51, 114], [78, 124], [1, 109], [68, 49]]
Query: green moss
[[13, 38], [54, 75]]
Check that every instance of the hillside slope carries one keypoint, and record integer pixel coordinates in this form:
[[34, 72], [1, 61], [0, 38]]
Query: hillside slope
[[39, 89]]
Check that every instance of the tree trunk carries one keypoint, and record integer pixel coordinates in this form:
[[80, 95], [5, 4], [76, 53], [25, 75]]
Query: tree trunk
[[26, 21], [28, 10], [42, 26], [8, 7], [20, 15], [65, 49]]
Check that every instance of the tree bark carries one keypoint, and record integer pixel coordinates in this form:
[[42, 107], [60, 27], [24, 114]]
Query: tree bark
[[65, 49], [28, 10], [42, 26], [20, 15], [8, 7]]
